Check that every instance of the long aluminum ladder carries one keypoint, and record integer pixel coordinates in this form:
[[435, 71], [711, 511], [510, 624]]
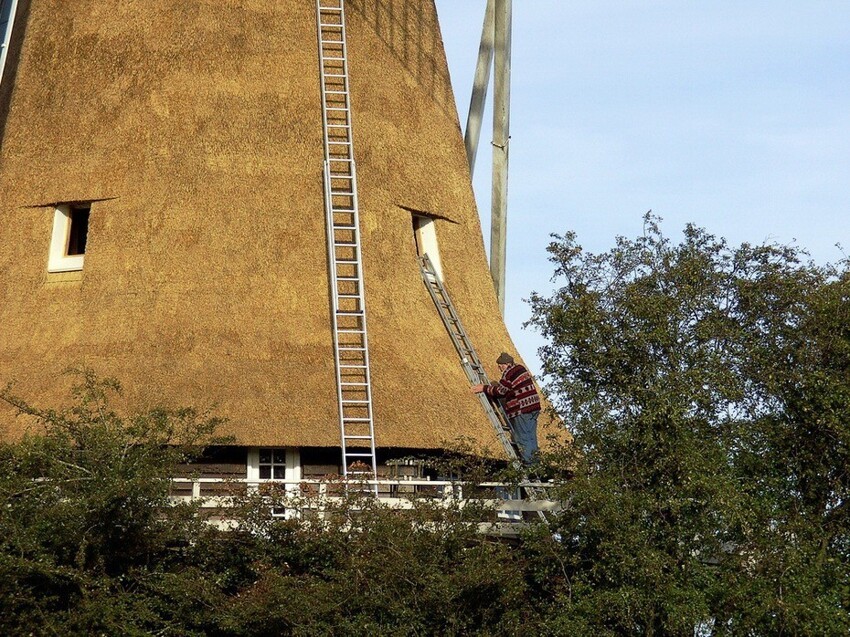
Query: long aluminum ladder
[[351, 343], [472, 364]]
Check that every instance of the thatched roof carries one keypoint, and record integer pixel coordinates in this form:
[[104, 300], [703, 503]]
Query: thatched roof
[[197, 128]]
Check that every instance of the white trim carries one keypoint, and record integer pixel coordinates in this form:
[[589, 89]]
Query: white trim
[[426, 241], [293, 466], [253, 464], [6, 36], [59, 260], [292, 472]]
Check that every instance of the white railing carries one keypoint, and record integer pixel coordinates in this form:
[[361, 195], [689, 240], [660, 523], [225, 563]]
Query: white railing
[[290, 498]]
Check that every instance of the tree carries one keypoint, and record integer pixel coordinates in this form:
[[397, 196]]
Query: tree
[[707, 388], [85, 511]]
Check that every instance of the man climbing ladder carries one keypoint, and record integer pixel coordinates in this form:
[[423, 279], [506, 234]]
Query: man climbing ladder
[[522, 403]]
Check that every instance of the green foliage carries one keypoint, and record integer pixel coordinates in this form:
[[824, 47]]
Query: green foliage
[[91, 545], [708, 391], [85, 508]]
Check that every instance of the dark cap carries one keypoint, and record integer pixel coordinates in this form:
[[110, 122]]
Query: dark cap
[[505, 359]]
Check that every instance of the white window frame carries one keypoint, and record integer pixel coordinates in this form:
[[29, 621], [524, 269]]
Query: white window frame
[[426, 241], [6, 36], [292, 473], [59, 260]]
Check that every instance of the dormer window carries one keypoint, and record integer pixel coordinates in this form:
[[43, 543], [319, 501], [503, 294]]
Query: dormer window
[[69, 237]]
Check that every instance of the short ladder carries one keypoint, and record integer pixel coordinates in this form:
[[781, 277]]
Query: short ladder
[[351, 344], [471, 364]]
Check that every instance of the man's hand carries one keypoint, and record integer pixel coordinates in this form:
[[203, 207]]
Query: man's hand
[[477, 389]]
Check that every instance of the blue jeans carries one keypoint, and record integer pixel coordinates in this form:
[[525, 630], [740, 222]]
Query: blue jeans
[[524, 430]]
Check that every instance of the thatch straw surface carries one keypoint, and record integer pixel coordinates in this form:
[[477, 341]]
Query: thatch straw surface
[[196, 125]]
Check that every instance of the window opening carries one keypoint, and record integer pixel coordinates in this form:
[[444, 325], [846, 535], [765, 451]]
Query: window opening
[[7, 19], [272, 464], [69, 238], [79, 230]]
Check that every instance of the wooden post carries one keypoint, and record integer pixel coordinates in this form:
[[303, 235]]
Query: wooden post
[[479, 88], [501, 140]]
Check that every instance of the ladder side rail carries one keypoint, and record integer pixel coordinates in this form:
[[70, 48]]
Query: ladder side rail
[[335, 321], [361, 288], [441, 300], [448, 311]]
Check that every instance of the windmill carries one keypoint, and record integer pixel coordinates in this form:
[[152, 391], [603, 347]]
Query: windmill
[[178, 208]]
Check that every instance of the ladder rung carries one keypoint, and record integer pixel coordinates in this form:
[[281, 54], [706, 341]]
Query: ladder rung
[[358, 437], [357, 419], [351, 349], [352, 366], [355, 384]]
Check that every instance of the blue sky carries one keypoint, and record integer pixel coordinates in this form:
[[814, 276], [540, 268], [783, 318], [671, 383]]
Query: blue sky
[[731, 115]]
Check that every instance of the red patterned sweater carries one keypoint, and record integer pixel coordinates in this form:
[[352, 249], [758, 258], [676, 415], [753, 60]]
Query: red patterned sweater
[[517, 389]]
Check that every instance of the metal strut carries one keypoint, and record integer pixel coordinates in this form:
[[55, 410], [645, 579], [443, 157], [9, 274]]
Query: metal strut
[[471, 364], [351, 344]]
